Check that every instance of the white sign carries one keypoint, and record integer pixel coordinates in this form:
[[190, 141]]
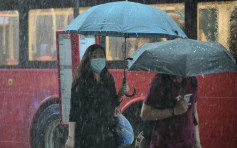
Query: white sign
[[65, 62]]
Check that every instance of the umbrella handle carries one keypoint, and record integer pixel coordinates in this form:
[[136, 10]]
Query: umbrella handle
[[134, 92], [134, 89]]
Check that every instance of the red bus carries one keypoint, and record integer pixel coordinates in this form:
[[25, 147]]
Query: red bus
[[29, 88]]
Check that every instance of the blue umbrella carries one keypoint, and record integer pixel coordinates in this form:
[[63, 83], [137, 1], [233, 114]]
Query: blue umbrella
[[125, 19]]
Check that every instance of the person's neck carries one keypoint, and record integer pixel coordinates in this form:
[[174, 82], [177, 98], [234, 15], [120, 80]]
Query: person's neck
[[97, 76]]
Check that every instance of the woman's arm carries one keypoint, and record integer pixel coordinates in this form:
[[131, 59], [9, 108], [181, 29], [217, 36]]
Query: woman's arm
[[150, 113], [196, 129], [71, 135], [122, 90]]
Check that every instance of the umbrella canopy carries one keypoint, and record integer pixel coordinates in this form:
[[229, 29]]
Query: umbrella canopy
[[125, 19], [183, 57]]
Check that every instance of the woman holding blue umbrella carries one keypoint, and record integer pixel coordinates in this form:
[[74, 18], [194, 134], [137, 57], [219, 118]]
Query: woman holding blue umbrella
[[126, 19], [93, 101]]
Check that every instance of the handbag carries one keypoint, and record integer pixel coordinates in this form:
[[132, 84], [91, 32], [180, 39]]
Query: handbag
[[124, 131]]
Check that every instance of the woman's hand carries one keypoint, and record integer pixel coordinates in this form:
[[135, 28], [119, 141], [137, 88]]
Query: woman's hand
[[124, 88], [180, 107], [70, 142], [122, 91]]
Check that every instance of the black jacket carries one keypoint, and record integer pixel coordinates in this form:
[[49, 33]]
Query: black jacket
[[92, 108]]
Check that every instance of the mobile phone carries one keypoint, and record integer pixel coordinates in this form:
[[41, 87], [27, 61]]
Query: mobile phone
[[187, 98]]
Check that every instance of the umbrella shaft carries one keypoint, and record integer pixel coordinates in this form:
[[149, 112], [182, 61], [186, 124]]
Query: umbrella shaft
[[124, 58]]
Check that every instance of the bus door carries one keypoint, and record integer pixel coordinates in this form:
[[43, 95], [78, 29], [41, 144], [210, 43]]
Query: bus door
[[70, 50]]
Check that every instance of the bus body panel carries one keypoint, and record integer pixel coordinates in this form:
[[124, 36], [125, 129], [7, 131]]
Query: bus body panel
[[21, 100], [216, 105]]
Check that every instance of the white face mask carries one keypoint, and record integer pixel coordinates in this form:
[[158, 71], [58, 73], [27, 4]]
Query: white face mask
[[98, 64]]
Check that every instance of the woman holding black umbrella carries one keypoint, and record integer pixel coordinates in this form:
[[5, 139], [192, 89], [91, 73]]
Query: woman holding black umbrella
[[93, 101], [171, 101]]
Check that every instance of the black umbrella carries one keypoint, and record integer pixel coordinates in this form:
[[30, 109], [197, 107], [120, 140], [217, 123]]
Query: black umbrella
[[183, 57], [125, 19]]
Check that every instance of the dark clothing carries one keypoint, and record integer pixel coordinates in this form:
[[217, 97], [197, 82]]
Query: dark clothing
[[177, 131], [92, 108]]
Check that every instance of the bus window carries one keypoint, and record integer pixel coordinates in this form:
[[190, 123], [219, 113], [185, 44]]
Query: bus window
[[9, 37], [43, 24], [217, 21], [208, 18], [207, 22], [115, 46], [175, 11]]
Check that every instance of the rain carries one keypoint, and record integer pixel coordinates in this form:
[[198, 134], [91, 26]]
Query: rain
[[42, 43]]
